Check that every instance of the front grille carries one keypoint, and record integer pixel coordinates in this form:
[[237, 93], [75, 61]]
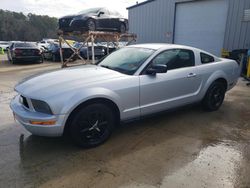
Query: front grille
[[24, 101]]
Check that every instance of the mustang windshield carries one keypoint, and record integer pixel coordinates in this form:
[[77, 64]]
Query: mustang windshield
[[126, 60]]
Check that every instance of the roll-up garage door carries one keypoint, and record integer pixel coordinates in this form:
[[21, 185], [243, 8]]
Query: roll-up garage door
[[201, 24]]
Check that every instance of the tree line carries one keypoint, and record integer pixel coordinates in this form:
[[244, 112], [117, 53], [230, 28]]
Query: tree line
[[31, 27]]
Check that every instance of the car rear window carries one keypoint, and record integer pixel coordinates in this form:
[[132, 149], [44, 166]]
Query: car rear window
[[24, 44], [205, 58]]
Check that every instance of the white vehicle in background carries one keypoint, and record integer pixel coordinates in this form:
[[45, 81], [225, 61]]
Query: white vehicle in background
[[44, 44], [4, 45]]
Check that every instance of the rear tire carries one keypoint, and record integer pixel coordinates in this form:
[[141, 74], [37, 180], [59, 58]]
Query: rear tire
[[214, 97], [122, 28], [92, 125]]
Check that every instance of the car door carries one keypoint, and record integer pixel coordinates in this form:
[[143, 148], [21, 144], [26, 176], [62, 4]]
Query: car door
[[114, 20], [103, 19], [50, 51], [178, 86]]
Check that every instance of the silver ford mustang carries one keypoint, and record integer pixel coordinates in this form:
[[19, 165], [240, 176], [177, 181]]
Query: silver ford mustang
[[89, 101]]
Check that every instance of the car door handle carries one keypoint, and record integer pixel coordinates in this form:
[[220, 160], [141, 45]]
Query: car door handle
[[191, 75]]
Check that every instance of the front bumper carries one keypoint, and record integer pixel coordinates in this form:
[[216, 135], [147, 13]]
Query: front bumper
[[24, 116]]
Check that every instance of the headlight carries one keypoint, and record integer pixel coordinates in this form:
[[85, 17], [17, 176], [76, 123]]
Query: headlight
[[41, 106]]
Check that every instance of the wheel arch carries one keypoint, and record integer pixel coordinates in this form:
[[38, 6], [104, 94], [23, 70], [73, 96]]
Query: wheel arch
[[222, 80], [211, 81], [219, 75], [101, 100]]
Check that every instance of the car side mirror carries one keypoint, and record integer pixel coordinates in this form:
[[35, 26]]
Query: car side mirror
[[154, 69], [100, 13]]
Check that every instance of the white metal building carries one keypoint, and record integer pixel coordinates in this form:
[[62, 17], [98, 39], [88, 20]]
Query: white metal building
[[211, 25]]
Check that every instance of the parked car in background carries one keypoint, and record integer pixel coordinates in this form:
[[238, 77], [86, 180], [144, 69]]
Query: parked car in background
[[135, 81], [99, 51], [24, 51], [44, 44], [109, 48], [4, 45], [94, 19], [53, 52]]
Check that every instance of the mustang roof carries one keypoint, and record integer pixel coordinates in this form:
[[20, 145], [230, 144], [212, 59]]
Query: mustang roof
[[157, 46]]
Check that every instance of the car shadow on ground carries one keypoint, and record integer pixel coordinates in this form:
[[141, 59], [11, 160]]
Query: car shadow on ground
[[173, 137], [7, 63]]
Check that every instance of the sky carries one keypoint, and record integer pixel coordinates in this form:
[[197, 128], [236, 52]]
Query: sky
[[57, 8]]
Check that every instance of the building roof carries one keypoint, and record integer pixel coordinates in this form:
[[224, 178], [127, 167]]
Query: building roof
[[139, 4]]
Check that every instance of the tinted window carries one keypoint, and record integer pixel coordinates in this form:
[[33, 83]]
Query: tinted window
[[205, 58], [126, 60], [115, 13], [176, 58], [50, 47], [25, 45]]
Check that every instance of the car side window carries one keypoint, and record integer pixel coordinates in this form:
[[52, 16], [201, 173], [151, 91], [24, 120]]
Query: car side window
[[205, 58], [176, 58], [105, 12], [49, 47]]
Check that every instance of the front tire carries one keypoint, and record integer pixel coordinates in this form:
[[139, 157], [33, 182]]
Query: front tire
[[92, 125], [214, 97], [91, 25]]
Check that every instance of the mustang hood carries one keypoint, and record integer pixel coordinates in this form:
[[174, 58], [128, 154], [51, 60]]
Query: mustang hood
[[53, 83]]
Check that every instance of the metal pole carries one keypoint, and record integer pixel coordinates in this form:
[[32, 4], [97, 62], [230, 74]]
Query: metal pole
[[107, 48], [87, 50], [61, 54], [93, 49]]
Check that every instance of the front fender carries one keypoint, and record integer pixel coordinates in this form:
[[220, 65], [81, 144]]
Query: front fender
[[85, 95]]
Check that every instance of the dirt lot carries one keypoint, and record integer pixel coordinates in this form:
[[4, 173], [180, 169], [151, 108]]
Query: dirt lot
[[184, 148]]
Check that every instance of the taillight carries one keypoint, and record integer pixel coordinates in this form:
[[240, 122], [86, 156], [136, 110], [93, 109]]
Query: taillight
[[17, 51]]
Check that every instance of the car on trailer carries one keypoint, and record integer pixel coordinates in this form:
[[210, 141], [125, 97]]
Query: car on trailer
[[89, 101], [94, 19], [24, 51]]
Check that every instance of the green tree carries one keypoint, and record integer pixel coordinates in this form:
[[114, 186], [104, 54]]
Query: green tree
[[17, 26]]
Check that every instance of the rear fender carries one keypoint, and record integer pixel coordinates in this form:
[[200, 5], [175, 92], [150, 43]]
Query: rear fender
[[215, 76]]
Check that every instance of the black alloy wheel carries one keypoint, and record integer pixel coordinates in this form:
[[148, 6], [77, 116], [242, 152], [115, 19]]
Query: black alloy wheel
[[92, 125], [91, 25], [214, 96], [122, 28]]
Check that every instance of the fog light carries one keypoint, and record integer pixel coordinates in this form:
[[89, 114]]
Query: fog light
[[43, 122]]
